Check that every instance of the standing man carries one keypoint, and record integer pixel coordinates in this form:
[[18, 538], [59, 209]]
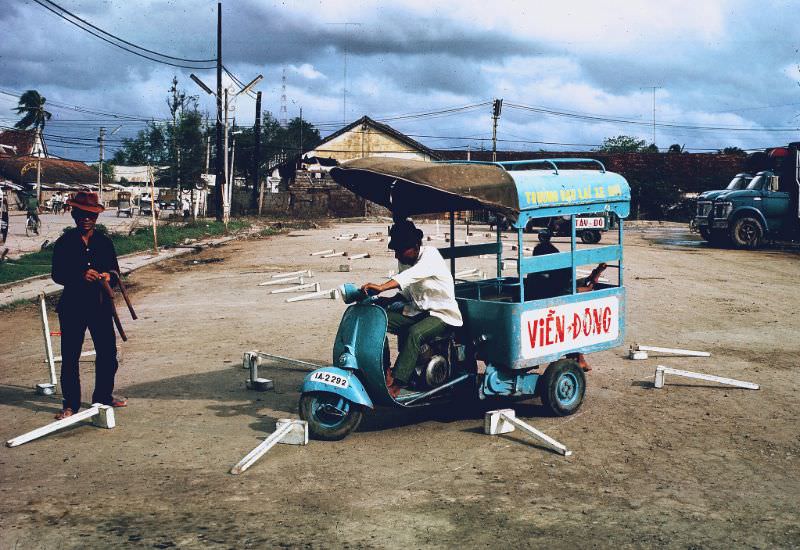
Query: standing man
[[82, 258], [186, 207], [425, 306]]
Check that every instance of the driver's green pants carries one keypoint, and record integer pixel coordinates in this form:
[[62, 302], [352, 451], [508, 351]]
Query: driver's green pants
[[411, 333]]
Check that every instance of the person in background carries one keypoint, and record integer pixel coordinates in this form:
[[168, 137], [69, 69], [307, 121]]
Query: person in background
[[186, 207]]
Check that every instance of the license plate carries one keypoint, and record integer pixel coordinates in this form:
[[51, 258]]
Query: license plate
[[330, 379], [590, 223]]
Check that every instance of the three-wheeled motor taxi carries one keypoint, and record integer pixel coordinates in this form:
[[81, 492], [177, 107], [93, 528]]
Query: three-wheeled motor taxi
[[525, 341]]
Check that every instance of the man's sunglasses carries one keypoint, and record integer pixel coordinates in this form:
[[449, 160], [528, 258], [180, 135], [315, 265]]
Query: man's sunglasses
[[80, 214]]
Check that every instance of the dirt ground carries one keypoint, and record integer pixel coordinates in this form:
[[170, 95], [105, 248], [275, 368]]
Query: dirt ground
[[692, 465]]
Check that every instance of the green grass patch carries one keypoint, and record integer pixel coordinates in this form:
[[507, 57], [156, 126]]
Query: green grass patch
[[39, 263]]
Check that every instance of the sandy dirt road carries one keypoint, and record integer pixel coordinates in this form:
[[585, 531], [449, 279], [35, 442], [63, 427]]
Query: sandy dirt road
[[692, 465]]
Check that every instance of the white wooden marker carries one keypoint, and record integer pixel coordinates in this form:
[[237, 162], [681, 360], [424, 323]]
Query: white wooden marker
[[505, 420], [661, 371], [332, 294], [297, 288], [47, 388], [291, 274], [321, 252], [358, 256], [101, 415], [466, 272], [334, 254], [300, 279], [287, 431], [672, 351]]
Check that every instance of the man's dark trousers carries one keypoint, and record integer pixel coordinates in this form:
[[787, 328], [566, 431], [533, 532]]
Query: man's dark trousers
[[73, 331]]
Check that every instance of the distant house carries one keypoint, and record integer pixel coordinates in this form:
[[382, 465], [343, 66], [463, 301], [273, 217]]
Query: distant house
[[22, 143], [368, 138], [23, 154]]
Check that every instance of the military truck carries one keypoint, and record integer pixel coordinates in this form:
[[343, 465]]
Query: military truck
[[766, 209], [700, 222]]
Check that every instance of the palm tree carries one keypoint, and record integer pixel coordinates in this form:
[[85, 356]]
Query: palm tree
[[31, 107]]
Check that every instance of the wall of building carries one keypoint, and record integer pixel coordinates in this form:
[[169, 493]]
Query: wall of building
[[366, 141], [312, 197]]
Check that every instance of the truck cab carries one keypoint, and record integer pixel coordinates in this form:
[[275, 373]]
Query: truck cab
[[766, 208], [705, 200]]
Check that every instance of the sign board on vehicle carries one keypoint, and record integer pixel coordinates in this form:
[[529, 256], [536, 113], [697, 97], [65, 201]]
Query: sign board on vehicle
[[563, 328], [590, 223]]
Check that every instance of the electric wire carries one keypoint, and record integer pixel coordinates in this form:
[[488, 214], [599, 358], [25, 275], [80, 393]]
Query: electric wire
[[127, 49]]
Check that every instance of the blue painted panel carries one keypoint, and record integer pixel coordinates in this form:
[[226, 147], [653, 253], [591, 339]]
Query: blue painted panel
[[363, 329], [500, 322], [600, 191], [355, 391]]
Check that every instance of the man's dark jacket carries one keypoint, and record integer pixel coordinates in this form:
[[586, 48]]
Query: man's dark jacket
[[71, 259]]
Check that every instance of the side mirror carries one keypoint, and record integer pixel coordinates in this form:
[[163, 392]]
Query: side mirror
[[774, 183]]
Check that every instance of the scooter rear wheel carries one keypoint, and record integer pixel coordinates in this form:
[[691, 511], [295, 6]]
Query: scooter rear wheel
[[330, 416]]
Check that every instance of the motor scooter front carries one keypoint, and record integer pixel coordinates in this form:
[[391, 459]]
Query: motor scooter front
[[333, 399]]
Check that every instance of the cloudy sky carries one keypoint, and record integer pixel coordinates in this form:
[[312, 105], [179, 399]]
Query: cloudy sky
[[570, 73]]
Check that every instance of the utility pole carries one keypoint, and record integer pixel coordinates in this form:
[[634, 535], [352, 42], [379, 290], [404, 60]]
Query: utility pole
[[256, 152], [219, 169], [301, 132], [653, 88], [344, 86], [100, 140], [497, 106], [222, 184]]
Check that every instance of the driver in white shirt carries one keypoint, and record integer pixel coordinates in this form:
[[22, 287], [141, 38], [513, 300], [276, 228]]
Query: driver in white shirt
[[426, 305]]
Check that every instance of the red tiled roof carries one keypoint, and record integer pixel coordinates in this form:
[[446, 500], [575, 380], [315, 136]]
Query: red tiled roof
[[23, 140], [23, 169]]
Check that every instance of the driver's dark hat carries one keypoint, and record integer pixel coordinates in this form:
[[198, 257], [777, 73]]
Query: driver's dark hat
[[404, 234], [88, 202]]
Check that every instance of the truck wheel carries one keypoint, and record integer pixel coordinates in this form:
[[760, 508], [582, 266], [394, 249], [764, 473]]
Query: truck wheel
[[330, 416], [590, 236], [562, 387], [747, 232], [705, 232]]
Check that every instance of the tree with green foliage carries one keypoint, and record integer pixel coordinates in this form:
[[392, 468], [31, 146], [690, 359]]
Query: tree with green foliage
[[732, 151], [31, 107], [622, 144], [108, 171], [179, 144], [675, 148]]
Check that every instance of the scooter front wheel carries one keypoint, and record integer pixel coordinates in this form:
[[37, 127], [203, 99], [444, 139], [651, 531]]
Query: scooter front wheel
[[330, 416]]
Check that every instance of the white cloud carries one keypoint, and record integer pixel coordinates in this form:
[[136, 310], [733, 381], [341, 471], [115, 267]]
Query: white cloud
[[306, 70]]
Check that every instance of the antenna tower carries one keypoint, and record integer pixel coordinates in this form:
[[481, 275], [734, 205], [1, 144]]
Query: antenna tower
[[284, 116]]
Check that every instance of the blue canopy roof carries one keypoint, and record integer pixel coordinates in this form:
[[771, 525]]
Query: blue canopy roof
[[518, 190]]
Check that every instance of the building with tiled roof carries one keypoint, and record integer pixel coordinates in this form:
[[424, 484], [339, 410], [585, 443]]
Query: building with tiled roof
[[22, 143]]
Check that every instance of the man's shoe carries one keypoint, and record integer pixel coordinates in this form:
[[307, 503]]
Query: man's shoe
[[394, 390], [65, 413], [117, 402]]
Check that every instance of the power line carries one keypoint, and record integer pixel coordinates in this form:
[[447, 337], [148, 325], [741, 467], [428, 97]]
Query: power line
[[599, 118], [114, 37]]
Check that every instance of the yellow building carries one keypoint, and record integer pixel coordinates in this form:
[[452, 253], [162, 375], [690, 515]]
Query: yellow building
[[368, 138]]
